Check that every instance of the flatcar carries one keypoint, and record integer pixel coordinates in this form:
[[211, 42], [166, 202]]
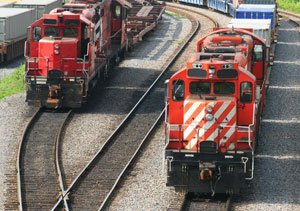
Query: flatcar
[[213, 110], [15, 17]]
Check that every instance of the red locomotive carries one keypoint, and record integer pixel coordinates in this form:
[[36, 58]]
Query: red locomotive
[[213, 109], [68, 50]]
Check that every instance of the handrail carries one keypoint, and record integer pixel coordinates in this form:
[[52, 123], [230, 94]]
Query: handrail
[[36, 60], [84, 60]]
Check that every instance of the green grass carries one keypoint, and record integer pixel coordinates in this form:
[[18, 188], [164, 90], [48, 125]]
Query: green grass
[[13, 83], [175, 15], [290, 5]]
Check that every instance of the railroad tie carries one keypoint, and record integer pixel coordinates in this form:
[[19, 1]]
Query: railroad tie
[[144, 11]]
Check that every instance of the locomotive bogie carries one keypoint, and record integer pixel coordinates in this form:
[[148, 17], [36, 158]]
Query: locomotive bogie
[[209, 172], [69, 93]]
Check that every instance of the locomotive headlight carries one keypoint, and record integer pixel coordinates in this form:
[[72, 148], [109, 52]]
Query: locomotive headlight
[[56, 46], [56, 52], [211, 71], [209, 109], [209, 117]]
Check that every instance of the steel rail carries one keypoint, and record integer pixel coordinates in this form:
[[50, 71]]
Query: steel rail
[[35, 115], [179, 202], [286, 13], [183, 201], [30, 125], [173, 5], [215, 203], [57, 164], [108, 198], [128, 117]]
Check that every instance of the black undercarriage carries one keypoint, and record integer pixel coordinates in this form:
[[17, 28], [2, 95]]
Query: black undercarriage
[[208, 173], [64, 94]]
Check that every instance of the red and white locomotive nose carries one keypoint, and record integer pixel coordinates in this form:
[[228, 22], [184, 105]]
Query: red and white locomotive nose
[[209, 120]]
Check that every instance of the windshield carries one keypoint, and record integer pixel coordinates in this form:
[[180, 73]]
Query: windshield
[[70, 32], [224, 88], [51, 31], [199, 87], [55, 32]]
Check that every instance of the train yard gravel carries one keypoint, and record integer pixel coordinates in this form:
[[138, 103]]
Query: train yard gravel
[[108, 105]]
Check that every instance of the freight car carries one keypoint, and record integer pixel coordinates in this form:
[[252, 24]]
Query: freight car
[[15, 17], [213, 110], [13, 31], [74, 47], [231, 7]]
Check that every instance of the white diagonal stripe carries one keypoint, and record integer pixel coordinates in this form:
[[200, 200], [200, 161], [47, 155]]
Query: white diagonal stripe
[[221, 109], [97, 24], [195, 122], [228, 134], [191, 111], [229, 117], [206, 126]]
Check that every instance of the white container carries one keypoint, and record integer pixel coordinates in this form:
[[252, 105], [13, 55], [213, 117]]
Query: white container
[[14, 22], [7, 4], [41, 7], [260, 27]]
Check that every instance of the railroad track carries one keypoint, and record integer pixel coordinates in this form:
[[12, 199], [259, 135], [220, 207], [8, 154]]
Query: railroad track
[[292, 17], [39, 179], [171, 6], [95, 186], [193, 202]]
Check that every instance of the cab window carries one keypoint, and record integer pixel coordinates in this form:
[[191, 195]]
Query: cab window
[[36, 33], [199, 87], [224, 88], [51, 31], [258, 53], [178, 90], [70, 32], [117, 11], [246, 92]]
